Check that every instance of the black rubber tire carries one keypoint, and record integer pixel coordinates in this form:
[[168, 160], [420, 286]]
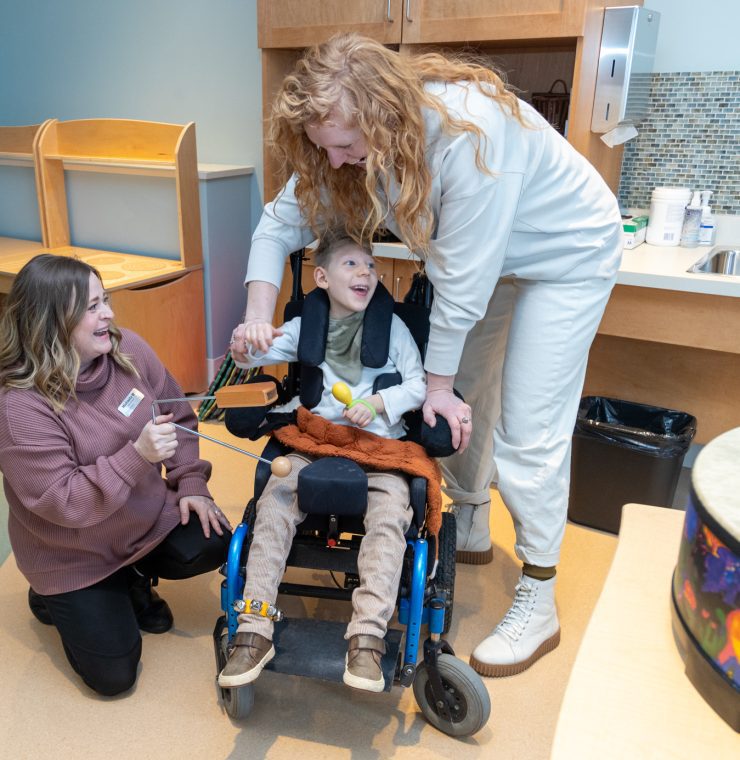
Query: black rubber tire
[[237, 702], [445, 577], [467, 697]]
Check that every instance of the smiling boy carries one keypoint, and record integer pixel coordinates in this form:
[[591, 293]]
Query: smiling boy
[[346, 271]]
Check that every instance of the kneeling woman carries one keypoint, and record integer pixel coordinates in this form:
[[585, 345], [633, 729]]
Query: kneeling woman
[[92, 518]]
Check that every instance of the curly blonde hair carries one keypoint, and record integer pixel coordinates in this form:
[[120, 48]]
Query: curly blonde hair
[[47, 300], [382, 93]]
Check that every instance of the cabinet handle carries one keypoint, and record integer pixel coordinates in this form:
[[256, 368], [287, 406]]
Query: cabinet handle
[[382, 278], [408, 10], [396, 288], [388, 13]]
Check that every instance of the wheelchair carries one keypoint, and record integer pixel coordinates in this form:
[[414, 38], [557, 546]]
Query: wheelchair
[[450, 694]]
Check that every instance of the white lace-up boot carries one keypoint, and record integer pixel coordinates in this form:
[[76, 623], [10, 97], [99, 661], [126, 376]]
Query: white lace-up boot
[[528, 630], [473, 533]]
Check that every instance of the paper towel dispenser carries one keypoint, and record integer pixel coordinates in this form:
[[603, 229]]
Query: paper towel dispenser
[[626, 57]]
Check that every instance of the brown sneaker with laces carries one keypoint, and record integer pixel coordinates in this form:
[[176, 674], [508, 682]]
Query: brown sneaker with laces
[[250, 654], [362, 665]]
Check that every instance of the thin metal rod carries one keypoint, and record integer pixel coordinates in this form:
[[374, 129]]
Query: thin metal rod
[[155, 409], [221, 443], [185, 398]]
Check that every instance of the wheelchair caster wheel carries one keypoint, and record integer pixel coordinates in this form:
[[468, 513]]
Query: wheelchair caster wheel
[[466, 697], [237, 702]]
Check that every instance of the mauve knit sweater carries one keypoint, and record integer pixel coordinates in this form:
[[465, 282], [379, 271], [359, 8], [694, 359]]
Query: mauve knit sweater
[[83, 502]]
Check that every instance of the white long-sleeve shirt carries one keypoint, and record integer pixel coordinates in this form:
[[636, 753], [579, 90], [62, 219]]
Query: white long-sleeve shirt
[[403, 356], [542, 213]]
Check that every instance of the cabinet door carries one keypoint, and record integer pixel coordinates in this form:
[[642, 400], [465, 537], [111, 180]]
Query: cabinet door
[[297, 23], [384, 268], [476, 20], [403, 274], [170, 316]]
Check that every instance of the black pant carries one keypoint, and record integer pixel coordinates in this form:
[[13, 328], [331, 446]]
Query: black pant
[[97, 624]]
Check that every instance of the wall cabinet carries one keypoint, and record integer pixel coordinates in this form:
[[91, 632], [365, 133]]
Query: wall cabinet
[[297, 23]]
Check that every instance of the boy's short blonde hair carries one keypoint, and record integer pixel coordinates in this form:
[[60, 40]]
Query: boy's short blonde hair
[[331, 242]]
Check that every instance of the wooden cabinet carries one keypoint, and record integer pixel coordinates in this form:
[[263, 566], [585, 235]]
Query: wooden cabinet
[[673, 349], [298, 23], [477, 20]]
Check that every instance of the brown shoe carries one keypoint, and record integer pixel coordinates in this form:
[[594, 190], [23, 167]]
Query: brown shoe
[[362, 666], [250, 654]]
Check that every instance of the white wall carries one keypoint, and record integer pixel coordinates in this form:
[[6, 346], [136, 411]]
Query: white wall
[[697, 35]]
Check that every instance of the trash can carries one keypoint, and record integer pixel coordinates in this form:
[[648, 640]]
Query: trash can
[[624, 452]]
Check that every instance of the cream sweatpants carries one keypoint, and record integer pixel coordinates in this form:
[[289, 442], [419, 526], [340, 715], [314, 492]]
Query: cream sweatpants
[[379, 561], [522, 372]]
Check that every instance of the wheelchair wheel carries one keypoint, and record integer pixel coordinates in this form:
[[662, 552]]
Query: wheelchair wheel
[[466, 695], [446, 566], [237, 702], [249, 517]]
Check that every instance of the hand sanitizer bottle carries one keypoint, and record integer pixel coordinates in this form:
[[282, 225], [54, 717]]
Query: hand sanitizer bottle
[[707, 229], [691, 223]]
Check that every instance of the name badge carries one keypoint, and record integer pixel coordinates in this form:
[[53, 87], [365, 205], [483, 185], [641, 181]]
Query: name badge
[[130, 403]]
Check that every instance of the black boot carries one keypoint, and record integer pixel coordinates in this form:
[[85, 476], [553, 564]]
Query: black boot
[[152, 612], [38, 607]]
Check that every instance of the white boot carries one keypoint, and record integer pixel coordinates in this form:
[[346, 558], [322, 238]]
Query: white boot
[[528, 630], [473, 533]]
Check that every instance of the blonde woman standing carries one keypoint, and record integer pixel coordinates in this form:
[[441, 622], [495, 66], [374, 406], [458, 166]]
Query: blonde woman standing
[[92, 519], [481, 188]]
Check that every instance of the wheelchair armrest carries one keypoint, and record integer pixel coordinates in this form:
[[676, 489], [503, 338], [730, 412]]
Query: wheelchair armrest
[[436, 440], [244, 422]]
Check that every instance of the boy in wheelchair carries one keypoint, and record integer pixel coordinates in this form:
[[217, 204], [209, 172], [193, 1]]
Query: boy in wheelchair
[[346, 272]]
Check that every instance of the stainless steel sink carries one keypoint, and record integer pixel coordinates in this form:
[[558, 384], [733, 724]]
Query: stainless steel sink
[[720, 260]]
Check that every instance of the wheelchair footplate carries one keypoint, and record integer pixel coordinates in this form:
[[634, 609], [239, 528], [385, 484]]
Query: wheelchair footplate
[[317, 649]]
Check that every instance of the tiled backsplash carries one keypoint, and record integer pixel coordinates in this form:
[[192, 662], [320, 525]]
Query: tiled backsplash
[[691, 138]]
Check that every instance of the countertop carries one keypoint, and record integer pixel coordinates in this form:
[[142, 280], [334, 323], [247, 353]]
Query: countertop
[[653, 266], [647, 266]]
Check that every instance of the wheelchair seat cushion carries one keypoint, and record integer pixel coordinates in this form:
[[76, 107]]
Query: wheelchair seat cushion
[[332, 486], [318, 437]]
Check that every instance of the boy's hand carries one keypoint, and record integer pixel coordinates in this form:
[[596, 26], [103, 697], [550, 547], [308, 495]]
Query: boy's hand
[[255, 334], [363, 411]]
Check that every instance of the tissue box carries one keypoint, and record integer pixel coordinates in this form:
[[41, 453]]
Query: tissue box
[[634, 230]]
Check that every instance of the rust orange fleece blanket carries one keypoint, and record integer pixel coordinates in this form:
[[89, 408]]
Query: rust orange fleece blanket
[[318, 437]]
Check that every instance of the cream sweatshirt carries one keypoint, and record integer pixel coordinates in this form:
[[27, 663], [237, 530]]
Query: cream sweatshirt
[[542, 212]]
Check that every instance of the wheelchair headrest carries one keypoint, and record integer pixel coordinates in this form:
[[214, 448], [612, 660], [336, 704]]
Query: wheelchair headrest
[[376, 328]]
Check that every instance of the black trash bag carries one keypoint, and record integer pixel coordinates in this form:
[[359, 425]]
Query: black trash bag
[[652, 430]]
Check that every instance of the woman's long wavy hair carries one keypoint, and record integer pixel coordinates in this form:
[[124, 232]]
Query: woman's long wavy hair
[[46, 302], [382, 93]]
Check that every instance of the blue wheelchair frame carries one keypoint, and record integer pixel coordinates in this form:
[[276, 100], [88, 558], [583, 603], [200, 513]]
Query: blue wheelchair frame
[[412, 611]]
